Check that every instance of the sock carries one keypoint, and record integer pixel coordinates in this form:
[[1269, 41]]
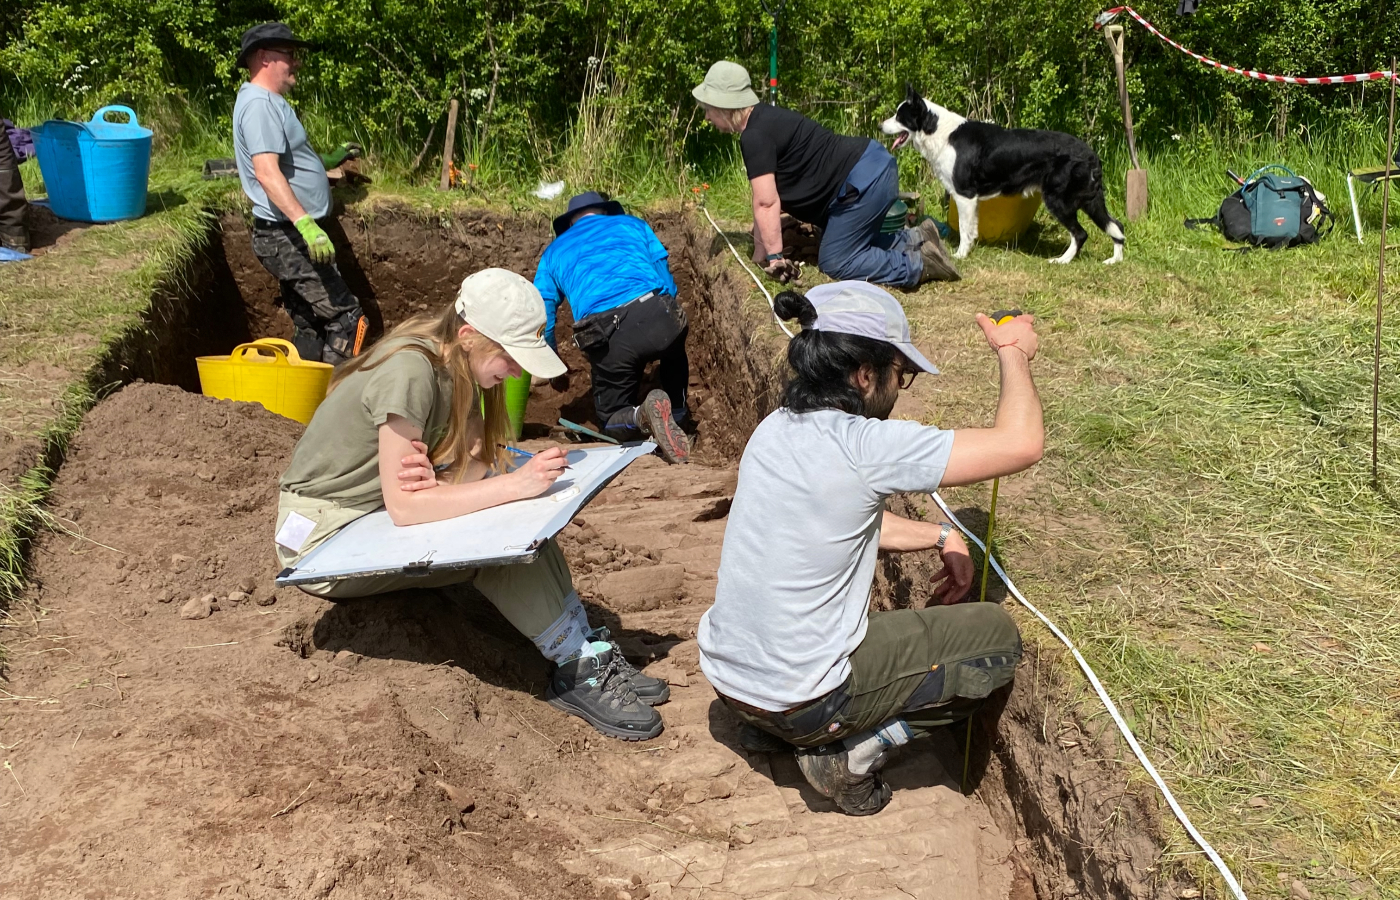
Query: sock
[[567, 637], [869, 750]]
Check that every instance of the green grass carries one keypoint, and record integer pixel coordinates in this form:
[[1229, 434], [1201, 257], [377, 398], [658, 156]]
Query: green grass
[[1204, 523], [61, 311]]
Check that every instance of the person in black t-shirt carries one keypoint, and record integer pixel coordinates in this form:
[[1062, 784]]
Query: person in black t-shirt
[[844, 185]]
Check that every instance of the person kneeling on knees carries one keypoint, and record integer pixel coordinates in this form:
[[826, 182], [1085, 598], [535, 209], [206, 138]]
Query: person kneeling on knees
[[415, 426], [612, 270], [790, 644]]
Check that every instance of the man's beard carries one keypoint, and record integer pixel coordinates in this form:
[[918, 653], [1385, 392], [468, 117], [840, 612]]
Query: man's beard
[[880, 404]]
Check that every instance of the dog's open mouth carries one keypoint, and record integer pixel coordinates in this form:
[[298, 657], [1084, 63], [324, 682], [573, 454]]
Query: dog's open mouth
[[900, 140]]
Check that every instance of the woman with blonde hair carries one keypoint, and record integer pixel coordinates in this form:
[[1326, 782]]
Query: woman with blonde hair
[[843, 185], [417, 426]]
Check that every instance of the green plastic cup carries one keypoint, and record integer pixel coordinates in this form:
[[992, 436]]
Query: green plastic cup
[[517, 399]]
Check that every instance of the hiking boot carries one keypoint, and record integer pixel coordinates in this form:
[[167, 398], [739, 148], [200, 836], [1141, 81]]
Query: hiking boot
[[756, 740], [825, 769], [938, 266], [594, 689], [651, 691], [654, 418]]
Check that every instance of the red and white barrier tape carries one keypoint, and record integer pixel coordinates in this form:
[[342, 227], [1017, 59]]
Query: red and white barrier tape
[[1109, 15]]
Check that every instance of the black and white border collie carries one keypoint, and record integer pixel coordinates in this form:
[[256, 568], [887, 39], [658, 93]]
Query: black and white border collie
[[979, 160]]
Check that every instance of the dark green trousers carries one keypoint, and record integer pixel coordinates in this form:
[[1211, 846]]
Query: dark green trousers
[[929, 667], [12, 201]]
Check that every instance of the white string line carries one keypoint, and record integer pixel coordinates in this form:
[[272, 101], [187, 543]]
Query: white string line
[[721, 233], [1108, 704], [1098, 687]]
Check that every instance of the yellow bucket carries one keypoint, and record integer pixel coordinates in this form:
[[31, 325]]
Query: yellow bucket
[[1001, 218], [267, 371]]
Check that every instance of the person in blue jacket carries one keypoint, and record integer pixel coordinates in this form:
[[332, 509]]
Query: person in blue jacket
[[612, 270]]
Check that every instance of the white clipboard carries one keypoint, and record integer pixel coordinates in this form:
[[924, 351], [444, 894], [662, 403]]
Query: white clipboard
[[502, 535]]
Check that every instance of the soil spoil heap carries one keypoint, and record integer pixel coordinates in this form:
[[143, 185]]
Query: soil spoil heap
[[182, 728]]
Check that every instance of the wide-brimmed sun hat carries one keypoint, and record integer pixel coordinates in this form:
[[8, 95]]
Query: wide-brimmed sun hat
[[861, 308], [726, 86], [268, 34], [509, 310], [580, 202]]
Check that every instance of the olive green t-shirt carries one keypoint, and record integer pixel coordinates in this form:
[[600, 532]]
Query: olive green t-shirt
[[337, 457]]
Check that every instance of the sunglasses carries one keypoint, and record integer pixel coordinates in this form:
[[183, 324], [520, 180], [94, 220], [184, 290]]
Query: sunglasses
[[906, 378], [292, 53]]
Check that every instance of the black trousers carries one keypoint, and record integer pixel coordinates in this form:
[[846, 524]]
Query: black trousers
[[646, 330], [324, 312], [12, 200]]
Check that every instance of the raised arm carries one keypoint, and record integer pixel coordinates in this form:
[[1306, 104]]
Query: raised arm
[[444, 501], [1017, 440]]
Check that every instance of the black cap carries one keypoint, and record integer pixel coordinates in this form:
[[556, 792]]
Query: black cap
[[587, 200], [268, 34]]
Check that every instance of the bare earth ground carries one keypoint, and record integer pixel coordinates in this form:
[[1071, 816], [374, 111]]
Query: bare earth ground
[[396, 747]]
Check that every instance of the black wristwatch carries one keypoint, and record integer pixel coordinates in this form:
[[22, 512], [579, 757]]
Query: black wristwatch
[[943, 536]]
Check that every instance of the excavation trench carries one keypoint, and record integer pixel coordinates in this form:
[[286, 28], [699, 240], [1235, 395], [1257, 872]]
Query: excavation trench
[[418, 693]]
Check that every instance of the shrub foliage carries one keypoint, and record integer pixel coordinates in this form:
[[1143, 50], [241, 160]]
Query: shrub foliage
[[522, 68]]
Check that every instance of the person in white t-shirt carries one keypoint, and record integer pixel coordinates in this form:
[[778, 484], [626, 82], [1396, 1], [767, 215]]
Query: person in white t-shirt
[[790, 645]]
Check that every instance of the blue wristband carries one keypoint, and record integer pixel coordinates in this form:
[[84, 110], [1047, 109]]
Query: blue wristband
[[773, 256]]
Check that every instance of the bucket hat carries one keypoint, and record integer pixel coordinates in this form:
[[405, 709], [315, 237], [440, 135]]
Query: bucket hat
[[268, 34], [586, 200], [726, 86], [509, 310], [861, 308]]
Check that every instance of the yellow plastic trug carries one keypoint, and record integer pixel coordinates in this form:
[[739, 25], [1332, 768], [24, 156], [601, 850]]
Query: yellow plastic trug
[[267, 371], [1002, 218]]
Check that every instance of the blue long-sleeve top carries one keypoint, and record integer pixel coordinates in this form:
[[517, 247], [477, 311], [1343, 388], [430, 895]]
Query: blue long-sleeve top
[[599, 263]]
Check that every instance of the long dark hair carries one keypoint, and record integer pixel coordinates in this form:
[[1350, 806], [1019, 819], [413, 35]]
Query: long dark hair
[[823, 361]]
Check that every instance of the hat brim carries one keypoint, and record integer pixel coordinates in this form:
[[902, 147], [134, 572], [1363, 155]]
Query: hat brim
[[261, 43], [538, 360], [562, 223], [713, 96], [914, 356]]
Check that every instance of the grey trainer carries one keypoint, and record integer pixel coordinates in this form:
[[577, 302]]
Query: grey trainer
[[825, 769], [595, 689], [654, 418]]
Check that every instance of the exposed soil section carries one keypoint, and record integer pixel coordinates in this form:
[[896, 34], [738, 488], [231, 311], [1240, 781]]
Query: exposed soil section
[[178, 727]]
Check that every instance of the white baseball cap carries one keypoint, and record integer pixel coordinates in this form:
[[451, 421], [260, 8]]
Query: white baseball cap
[[861, 308], [509, 310]]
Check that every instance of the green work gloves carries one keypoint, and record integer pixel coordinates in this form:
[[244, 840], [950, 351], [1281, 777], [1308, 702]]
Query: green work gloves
[[318, 243], [346, 150]]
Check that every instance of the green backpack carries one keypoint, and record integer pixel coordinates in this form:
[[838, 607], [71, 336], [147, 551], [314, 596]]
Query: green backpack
[[1272, 210]]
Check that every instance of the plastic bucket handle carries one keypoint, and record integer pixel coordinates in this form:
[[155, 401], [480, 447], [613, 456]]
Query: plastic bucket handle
[[283, 352], [1263, 169], [101, 114]]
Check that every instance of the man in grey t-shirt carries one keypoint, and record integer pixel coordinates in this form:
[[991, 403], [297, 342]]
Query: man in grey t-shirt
[[789, 644], [287, 183]]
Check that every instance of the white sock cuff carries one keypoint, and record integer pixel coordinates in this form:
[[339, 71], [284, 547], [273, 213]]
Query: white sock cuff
[[895, 733]]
